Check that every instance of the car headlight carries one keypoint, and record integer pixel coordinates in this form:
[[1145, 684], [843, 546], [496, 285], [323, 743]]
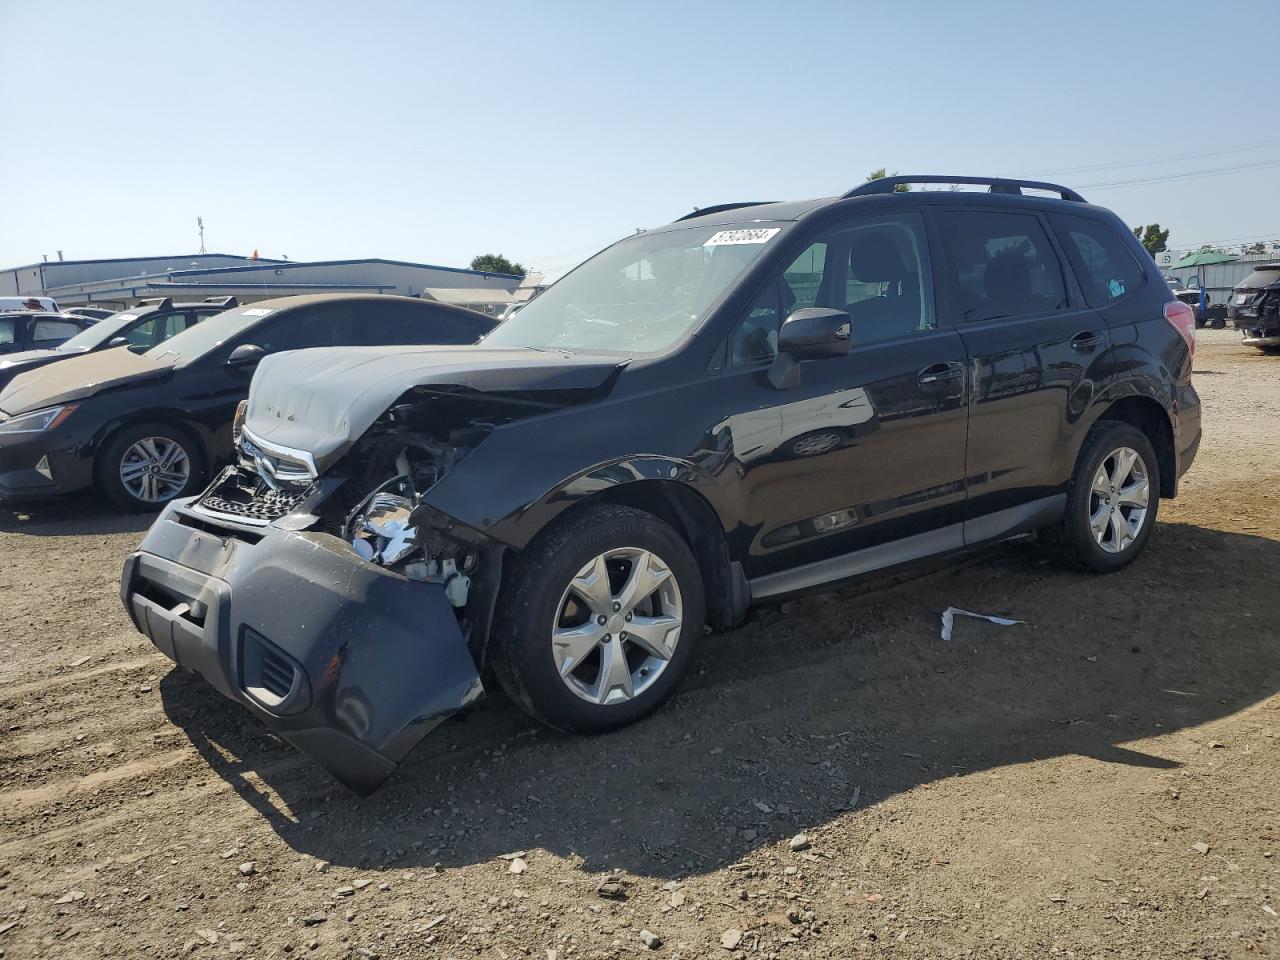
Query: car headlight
[[38, 421]]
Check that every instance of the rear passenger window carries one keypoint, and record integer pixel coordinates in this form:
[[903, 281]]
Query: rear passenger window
[[8, 331], [57, 330], [1005, 265], [1104, 262]]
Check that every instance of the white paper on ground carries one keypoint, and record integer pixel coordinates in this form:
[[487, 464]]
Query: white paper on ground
[[949, 617]]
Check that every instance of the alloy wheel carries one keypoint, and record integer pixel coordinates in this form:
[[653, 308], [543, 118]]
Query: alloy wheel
[[617, 626], [1118, 500], [155, 469]]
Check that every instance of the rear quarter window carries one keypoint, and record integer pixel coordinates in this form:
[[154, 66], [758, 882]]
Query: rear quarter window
[[1104, 261]]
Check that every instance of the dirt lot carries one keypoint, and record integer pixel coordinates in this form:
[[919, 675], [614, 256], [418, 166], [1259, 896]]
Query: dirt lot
[[1102, 781]]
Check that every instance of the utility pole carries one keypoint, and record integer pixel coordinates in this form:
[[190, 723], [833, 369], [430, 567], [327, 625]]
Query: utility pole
[[200, 224]]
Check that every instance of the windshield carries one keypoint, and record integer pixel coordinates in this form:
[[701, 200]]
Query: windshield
[[207, 335], [639, 296], [92, 337], [1259, 279]]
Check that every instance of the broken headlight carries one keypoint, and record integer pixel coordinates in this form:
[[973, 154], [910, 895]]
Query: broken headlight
[[382, 531]]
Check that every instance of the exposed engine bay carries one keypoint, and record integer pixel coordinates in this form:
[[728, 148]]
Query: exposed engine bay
[[372, 498]]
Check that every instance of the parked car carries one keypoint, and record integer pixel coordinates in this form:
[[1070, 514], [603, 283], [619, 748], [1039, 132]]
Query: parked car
[[93, 313], [139, 329], [145, 428], [37, 330], [44, 304], [751, 402], [1255, 308]]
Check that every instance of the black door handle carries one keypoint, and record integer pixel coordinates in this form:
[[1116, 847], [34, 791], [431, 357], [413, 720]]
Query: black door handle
[[1086, 342], [940, 373]]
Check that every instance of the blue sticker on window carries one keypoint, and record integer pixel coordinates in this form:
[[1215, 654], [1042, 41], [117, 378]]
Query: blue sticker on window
[[1114, 287]]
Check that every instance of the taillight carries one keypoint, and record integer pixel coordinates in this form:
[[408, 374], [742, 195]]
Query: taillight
[[1183, 319]]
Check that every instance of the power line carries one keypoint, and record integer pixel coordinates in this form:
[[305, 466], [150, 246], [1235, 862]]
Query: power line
[[1195, 155], [1189, 175]]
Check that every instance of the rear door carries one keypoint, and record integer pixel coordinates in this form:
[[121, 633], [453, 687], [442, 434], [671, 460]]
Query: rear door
[[45, 333], [11, 334], [867, 448], [1034, 347]]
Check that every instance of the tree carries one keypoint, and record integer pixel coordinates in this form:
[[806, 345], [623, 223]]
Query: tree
[[1254, 248], [1152, 237], [496, 263], [881, 174]]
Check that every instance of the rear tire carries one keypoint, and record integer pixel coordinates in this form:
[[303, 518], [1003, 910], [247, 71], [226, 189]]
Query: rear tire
[[562, 647], [143, 466], [1112, 500]]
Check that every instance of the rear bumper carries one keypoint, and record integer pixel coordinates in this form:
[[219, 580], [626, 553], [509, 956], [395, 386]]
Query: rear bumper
[[351, 664]]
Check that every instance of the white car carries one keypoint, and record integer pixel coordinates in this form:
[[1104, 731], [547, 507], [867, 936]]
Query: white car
[[45, 304]]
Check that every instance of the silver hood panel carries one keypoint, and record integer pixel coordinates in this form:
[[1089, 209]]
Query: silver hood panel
[[322, 400]]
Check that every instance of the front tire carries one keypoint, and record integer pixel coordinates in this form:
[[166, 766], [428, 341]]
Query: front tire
[[599, 619], [143, 466], [1112, 500]]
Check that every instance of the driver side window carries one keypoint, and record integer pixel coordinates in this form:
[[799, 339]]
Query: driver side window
[[874, 268], [756, 338]]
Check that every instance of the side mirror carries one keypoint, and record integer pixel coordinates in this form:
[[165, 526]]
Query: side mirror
[[807, 334], [117, 342], [247, 354]]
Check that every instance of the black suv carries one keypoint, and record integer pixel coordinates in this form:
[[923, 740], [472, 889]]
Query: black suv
[[147, 427], [140, 328], [1255, 308], [753, 401]]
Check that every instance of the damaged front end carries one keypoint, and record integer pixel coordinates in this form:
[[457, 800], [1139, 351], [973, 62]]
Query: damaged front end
[[313, 581], [341, 609]]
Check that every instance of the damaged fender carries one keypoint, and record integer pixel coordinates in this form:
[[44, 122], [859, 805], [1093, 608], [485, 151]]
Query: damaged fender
[[351, 663]]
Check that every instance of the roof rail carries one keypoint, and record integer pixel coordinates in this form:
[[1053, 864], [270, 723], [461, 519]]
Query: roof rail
[[720, 208], [160, 303], [223, 301], [997, 185]]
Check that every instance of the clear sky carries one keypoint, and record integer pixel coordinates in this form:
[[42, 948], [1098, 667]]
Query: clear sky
[[542, 130]]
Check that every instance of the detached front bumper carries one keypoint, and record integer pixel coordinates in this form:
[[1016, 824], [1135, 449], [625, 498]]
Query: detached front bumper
[[350, 663]]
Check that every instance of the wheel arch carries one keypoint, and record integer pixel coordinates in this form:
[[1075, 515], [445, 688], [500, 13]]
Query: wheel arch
[[692, 516], [1149, 416], [169, 418]]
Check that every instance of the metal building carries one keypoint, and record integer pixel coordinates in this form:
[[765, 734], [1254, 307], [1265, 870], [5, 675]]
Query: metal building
[[123, 282]]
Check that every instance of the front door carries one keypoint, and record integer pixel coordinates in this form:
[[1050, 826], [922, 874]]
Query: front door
[[1034, 346], [869, 447]]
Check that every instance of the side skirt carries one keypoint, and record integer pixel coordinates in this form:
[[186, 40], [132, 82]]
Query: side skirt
[[957, 536]]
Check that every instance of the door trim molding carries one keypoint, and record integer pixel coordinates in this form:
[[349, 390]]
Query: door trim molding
[[955, 536]]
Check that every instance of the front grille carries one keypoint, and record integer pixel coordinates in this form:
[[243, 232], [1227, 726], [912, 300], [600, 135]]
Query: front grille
[[255, 503]]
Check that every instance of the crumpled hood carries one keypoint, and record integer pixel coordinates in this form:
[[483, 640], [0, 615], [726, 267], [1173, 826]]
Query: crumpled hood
[[77, 377], [322, 400]]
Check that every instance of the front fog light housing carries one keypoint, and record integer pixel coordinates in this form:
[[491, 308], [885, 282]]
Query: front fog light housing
[[43, 469]]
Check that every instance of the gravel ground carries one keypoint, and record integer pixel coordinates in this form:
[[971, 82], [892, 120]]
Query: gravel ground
[[1101, 781]]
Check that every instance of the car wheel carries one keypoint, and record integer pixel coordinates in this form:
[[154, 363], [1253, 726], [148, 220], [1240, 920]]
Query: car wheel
[[144, 466], [598, 619], [816, 443], [1112, 500]]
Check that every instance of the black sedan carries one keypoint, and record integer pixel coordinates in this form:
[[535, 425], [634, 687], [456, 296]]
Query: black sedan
[[145, 428], [139, 328]]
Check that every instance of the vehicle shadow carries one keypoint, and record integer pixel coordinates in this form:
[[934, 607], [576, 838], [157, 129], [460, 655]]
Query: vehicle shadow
[[789, 717], [81, 515]]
